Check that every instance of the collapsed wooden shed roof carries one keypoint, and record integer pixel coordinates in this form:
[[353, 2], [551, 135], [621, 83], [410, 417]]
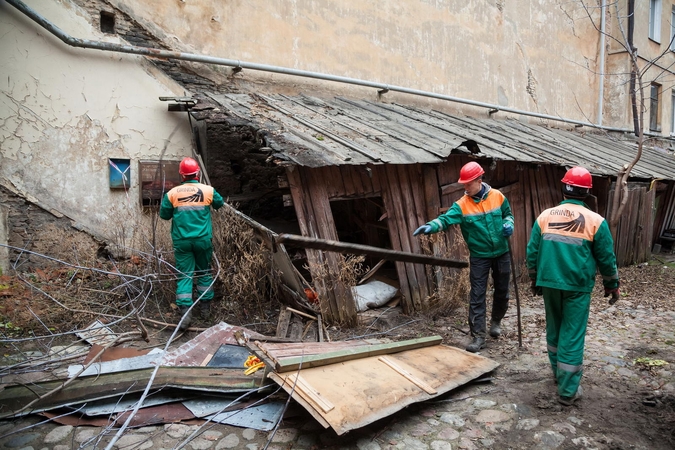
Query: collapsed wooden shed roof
[[313, 132]]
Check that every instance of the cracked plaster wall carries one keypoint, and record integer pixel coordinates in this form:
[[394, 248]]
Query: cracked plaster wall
[[65, 111], [537, 56]]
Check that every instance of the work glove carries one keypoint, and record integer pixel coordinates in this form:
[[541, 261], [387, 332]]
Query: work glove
[[614, 293], [536, 290], [507, 230], [424, 229]]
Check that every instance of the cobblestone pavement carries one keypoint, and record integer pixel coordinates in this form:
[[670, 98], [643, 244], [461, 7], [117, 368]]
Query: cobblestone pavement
[[627, 404]]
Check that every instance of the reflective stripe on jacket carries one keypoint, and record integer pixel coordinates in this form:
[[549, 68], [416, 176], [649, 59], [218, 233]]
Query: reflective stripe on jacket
[[568, 243], [481, 222], [189, 205]]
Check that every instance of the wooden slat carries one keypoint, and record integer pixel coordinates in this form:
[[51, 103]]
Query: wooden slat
[[394, 235], [398, 367], [284, 321], [346, 175], [334, 185], [367, 181], [413, 198], [530, 217], [306, 361], [416, 174], [302, 386], [399, 214], [359, 189], [341, 296], [309, 406], [307, 223]]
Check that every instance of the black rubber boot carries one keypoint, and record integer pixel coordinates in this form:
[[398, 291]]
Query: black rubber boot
[[205, 309], [186, 317], [476, 345], [495, 328]]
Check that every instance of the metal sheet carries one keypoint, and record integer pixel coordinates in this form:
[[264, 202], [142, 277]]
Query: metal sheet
[[111, 406], [195, 351], [230, 356], [119, 365], [262, 417]]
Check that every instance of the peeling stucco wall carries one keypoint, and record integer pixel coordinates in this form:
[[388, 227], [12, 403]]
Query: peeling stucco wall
[[64, 111], [536, 56]]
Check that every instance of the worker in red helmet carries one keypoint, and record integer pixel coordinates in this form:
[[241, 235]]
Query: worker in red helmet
[[189, 207], [569, 242], [485, 220]]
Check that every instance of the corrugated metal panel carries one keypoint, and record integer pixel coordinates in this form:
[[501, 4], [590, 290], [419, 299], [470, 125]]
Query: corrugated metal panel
[[312, 132]]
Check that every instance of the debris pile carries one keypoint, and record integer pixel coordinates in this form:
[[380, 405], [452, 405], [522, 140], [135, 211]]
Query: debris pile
[[232, 375]]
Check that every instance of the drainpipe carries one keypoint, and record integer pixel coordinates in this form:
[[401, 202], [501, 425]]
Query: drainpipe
[[601, 87], [238, 65]]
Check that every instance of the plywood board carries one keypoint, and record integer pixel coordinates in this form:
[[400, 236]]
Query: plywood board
[[368, 389]]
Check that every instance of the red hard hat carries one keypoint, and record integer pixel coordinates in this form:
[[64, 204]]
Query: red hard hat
[[579, 177], [188, 166], [470, 171]]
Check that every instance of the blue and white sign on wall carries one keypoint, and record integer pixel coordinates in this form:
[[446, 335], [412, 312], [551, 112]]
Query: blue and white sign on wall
[[120, 173]]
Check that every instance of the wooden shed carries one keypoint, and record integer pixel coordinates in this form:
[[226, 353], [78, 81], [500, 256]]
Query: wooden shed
[[371, 173]]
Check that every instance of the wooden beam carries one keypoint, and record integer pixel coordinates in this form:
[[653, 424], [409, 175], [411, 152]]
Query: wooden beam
[[405, 373], [294, 363], [358, 249]]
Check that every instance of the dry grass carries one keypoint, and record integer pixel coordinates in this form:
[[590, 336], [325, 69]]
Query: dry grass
[[452, 285], [77, 280]]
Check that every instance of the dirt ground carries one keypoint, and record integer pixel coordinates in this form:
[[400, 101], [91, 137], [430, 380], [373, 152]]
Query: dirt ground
[[629, 381]]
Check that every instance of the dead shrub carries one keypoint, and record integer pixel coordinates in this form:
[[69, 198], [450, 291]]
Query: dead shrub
[[247, 281], [452, 285]]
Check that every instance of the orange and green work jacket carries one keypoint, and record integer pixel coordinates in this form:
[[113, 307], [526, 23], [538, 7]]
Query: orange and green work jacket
[[568, 243], [481, 219], [189, 205]]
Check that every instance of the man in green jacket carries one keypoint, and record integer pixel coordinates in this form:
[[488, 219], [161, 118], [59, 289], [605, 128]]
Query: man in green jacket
[[568, 243], [189, 206], [485, 220]]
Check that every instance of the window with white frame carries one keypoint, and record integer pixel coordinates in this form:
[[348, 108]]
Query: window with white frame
[[672, 29], [672, 111], [655, 20]]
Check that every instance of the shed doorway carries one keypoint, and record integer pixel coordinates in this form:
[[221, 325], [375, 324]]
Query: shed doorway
[[362, 221]]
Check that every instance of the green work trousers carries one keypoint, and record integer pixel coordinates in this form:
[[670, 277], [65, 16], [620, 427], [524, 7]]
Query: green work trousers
[[193, 261], [566, 321]]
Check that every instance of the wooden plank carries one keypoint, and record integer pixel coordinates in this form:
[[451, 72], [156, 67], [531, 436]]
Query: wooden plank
[[536, 206], [394, 234], [301, 385], [284, 321], [347, 180], [295, 329], [527, 204], [375, 177], [319, 327], [341, 296], [366, 181], [450, 189], [307, 361], [405, 373], [417, 216], [307, 223], [310, 407], [359, 190], [371, 272], [399, 188]]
